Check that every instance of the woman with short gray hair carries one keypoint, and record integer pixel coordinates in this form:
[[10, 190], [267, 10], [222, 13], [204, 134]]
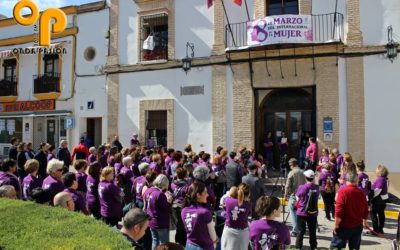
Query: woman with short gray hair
[[158, 206], [53, 182], [202, 174]]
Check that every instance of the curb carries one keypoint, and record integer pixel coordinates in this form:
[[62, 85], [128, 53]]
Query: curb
[[388, 213]]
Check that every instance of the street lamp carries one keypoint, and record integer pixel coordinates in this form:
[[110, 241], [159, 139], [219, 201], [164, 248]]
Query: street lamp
[[187, 61], [391, 47]]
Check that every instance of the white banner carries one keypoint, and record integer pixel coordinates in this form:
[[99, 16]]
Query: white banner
[[280, 29]]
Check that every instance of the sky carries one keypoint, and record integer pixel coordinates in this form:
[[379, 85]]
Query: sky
[[6, 6]]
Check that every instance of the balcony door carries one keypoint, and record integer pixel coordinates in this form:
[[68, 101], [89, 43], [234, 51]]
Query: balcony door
[[282, 7]]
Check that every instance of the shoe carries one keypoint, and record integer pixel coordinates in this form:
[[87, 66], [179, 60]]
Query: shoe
[[293, 234]]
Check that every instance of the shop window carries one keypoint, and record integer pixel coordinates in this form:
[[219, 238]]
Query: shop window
[[156, 128], [282, 7], [10, 128], [154, 37]]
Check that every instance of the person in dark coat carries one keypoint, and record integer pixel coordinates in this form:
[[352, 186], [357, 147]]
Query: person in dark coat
[[117, 143], [64, 155], [41, 157], [12, 154], [21, 159], [257, 187], [234, 171]]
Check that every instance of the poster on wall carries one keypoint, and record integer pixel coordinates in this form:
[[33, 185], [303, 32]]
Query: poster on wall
[[280, 29], [2, 125], [11, 127]]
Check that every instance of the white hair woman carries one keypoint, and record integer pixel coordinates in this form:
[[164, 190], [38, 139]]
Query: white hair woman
[[53, 182], [158, 207]]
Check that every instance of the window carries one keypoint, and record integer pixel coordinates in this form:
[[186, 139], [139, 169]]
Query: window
[[282, 7], [154, 27], [51, 65], [10, 70], [10, 127]]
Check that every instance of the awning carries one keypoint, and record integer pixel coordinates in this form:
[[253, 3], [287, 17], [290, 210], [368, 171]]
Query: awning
[[36, 114]]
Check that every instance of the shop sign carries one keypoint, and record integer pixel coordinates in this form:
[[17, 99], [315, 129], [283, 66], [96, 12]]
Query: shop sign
[[41, 105]]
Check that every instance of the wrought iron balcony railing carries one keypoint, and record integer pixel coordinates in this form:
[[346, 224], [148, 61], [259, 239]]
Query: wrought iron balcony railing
[[327, 28], [8, 86], [46, 83]]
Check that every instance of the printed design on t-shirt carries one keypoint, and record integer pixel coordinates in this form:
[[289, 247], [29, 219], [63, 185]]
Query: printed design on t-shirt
[[188, 221], [46, 186], [235, 212], [267, 240], [364, 183], [101, 190], [25, 189], [139, 187]]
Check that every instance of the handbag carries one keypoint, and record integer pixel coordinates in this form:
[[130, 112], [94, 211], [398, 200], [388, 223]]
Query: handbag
[[149, 43]]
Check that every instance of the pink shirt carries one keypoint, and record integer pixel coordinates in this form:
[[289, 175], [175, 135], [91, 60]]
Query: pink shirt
[[312, 152]]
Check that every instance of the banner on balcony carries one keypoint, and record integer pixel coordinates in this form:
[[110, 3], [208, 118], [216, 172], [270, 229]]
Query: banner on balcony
[[280, 29], [41, 105]]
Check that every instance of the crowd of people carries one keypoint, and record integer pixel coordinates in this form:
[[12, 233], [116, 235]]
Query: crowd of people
[[212, 201]]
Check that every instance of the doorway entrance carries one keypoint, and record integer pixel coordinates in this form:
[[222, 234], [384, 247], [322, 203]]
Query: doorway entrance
[[93, 130], [289, 114]]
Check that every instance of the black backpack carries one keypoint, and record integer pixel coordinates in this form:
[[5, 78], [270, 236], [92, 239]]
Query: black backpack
[[312, 202]]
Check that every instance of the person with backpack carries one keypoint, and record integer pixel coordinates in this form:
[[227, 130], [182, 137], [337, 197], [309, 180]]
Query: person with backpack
[[294, 180], [307, 210], [326, 183], [179, 188]]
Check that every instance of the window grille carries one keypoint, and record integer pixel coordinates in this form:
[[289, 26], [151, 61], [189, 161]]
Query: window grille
[[157, 27]]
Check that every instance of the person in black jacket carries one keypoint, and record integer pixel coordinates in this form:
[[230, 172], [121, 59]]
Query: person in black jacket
[[234, 171], [41, 157], [12, 154], [64, 155], [117, 143], [21, 159]]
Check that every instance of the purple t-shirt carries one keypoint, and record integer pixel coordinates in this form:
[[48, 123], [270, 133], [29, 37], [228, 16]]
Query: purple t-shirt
[[111, 161], [381, 183], [138, 185], [53, 185], [28, 184], [134, 142], [236, 216], [10, 179], [323, 177], [126, 175], [265, 234], [158, 208], [103, 161], [156, 168], [79, 200], [81, 179], [117, 168], [195, 219], [302, 195], [110, 200], [92, 195], [363, 180], [135, 169], [91, 159], [179, 189]]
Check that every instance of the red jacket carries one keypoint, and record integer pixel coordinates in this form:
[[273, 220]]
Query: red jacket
[[351, 207], [80, 148]]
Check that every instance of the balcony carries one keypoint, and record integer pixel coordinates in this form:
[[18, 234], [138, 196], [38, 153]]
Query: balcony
[[326, 28], [47, 86], [8, 89]]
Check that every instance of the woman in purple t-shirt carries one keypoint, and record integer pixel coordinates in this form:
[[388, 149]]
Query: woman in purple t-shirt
[[31, 181], [380, 189], [237, 210], [266, 233], [110, 198], [92, 184], [197, 218]]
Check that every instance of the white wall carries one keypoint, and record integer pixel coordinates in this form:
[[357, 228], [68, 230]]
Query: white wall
[[91, 35], [193, 23], [193, 114], [376, 16], [382, 117], [128, 33]]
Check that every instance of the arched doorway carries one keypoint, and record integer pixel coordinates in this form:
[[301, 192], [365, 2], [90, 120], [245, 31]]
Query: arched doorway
[[288, 111]]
